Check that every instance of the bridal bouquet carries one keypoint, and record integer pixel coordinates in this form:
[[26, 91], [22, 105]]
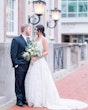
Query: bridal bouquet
[[31, 51]]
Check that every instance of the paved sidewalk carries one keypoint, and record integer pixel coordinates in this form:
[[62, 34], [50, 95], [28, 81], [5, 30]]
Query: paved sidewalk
[[74, 86]]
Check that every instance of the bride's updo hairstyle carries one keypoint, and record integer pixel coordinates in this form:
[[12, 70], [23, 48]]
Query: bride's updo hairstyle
[[41, 29]]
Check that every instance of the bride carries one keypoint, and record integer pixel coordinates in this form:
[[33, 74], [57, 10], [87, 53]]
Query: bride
[[40, 88]]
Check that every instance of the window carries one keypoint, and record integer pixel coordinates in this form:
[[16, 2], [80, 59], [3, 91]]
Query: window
[[12, 17], [83, 7], [74, 8], [64, 7]]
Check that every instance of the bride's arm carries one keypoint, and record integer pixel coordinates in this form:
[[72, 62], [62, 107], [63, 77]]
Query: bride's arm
[[45, 48]]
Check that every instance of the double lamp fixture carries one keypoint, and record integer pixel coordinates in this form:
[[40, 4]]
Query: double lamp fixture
[[39, 8]]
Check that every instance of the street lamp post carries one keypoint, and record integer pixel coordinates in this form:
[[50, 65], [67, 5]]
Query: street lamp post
[[55, 17], [39, 8]]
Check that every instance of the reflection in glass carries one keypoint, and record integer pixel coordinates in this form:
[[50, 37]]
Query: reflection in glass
[[74, 8]]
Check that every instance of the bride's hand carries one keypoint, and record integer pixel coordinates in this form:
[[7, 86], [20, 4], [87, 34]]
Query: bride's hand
[[33, 59]]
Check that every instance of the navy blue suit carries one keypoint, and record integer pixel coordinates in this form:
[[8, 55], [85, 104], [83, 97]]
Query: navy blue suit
[[17, 48]]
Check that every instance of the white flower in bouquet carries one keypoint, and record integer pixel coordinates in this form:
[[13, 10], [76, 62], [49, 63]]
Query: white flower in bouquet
[[25, 54], [31, 51]]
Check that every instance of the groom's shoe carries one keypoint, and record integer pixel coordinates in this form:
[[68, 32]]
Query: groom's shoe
[[25, 102], [19, 103]]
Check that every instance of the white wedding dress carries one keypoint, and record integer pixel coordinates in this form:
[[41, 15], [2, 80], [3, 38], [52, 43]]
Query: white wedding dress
[[40, 88]]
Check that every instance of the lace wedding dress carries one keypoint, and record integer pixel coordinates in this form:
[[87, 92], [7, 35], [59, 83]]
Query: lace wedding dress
[[40, 88]]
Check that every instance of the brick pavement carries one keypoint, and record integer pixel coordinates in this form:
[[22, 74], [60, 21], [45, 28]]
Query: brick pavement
[[74, 86]]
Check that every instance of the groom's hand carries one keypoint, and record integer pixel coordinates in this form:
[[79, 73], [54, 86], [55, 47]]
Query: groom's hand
[[16, 66]]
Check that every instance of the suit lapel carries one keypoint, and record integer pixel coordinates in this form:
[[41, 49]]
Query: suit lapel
[[23, 40]]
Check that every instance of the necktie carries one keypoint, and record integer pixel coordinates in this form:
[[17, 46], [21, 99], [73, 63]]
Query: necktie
[[28, 41]]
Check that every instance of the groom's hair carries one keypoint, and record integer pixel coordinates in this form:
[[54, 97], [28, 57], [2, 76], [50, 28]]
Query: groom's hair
[[24, 26]]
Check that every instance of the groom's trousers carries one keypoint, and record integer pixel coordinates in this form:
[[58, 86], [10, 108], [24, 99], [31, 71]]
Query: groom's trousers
[[20, 74]]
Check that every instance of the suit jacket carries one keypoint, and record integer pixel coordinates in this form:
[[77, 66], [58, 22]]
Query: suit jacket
[[17, 48]]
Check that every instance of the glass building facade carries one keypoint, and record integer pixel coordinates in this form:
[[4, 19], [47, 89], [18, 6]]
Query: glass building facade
[[77, 9], [74, 8]]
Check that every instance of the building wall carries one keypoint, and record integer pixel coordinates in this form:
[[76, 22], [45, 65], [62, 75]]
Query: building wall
[[21, 19], [59, 23], [74, 26], [75, 19], [7, 79], [21, 14], [51, 34], [2, 21]]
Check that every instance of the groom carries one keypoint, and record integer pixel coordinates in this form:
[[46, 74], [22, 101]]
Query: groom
[[20, 65]]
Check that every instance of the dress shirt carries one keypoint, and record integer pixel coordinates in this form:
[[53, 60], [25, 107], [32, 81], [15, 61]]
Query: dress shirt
[[25, 37]]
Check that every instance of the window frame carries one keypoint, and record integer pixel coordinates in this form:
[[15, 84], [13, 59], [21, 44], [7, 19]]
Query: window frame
[[12, 17]]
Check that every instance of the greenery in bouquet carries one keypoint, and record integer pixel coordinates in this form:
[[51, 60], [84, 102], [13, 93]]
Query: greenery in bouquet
[[31, 51]]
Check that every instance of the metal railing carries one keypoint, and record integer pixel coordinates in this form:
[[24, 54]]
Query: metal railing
[[66, 55]]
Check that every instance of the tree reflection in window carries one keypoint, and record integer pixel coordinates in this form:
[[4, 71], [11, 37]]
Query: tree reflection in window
[[83, 7]]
